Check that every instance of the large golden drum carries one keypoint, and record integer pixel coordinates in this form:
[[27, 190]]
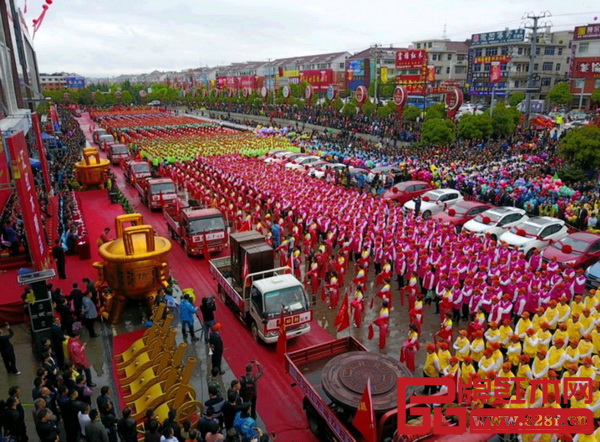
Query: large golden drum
[[134, 264], [92, 171]]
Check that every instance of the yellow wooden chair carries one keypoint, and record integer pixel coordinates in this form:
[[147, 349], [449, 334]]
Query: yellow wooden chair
[[154, 333], [158, 351]]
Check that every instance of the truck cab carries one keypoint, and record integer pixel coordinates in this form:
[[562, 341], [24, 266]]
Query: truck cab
[[117, 152], [156, 192], [192, 225], [97, 134], [269, 297], [105, 140], [137, 170]]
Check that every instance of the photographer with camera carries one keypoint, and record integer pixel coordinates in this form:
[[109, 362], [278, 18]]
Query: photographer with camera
[[208, 308], [249, 381]]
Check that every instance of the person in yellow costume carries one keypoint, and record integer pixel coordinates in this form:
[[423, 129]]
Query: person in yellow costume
[[552, 314], [523, 324], [553, 387], [453, 368], [564, 311], [585, 347], [561, 334], [544, 336], [492, 334], [534, 396], [577, 305], [571, 372], [572, 353], [505, 333], [530, 344], [431, 367], [443, 355], [594, 437], [595, 405], [467, 370], [596, 338], [574, 327], [538, 317], [540, 365], [477, 346], [586, 370], [513, 350], [587, 322], [506, 373], [524, 371], [462, 345], [556, 356], [487, 363]]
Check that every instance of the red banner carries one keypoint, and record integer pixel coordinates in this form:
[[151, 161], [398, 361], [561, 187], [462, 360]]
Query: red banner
[[414, 84], [28, 200], [37, 128], [320, 79], [247, 81], [430, 74], [588, 67], [411, 58]]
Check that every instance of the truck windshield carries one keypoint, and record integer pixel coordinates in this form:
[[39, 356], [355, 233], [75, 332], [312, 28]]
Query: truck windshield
[[293, 299], [163, 187], [120, 149], [141, 168], [200, 225]]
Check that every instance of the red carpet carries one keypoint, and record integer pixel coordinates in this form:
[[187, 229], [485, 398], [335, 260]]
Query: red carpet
[[120, 344]]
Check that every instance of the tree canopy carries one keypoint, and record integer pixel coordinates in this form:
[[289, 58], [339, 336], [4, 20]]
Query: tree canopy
[[560, 94], [437, 132], [475, 127], [581, 147]]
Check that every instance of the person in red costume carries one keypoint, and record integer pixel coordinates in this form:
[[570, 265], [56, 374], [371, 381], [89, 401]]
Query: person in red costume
[[79, 358]]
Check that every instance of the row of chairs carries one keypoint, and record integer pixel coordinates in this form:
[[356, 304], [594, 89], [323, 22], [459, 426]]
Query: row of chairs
[[153, 375]]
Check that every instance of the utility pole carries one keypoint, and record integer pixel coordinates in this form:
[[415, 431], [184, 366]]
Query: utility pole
[[375, 56], [531, 77]]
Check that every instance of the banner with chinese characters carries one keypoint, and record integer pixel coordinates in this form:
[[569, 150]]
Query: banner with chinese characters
[[588, 67], [498, 37], [589, 32], [411, 59], [28, 200], [492, 59], [414, 84], [320, 79]]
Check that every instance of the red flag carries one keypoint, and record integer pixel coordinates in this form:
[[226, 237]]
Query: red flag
[[205, 249], [246, 270], [364, 419], [342, 320], [282, 339]]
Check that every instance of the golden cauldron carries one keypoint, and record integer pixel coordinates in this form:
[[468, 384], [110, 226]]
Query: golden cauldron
[[135, 264], [93, 170]]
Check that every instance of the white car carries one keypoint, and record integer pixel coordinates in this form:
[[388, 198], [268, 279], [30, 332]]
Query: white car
[[277, 156], [537, 232], [320, 173], [495, 221], [435, 201], [302, 162]]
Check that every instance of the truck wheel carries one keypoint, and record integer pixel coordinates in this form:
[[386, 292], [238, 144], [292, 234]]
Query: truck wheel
[[223, 296], [427, 214], [313, 418], [529, 253], [254, 331], [494, 237]]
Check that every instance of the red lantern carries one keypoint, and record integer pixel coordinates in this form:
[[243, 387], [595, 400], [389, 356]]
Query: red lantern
[[486, 220], [521, 232], [44, 7], [451, 212], [426, 199], [395, 189], [49, 2], [566, 248]]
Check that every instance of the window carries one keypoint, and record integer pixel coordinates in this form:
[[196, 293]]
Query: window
[[491, 51], [537, 51], [560, 51], [520, 51], [535, 67], [434, 57], [504, 50], [579, 84], [448, 70], [478, 52], [460, 57], [517, 83], [449, 57], [558, 66], [342, 66], [583, 48], [546, 81], [460, 69], [430, 44], [547, 66], [438, 70], [549, 50], [477, 67], [503, 66], [418, 45]]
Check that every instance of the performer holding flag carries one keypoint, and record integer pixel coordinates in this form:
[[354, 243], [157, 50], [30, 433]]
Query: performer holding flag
[[383, 322]]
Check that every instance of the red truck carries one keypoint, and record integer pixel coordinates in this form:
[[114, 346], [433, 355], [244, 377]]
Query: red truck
[[329, 420], [117, 152], [156, 192], [189, 225], [137, 170]]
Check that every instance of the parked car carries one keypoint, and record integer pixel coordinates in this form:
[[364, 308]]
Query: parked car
[[535, 233], [278, 155], [288, 158], [314, 166], [592, 273], [407, 190], [154, 103], [389, 175], [495, 221], [301, 162], [435, 201], [320, 173], [461, 212], [271, 153], [580, 249]]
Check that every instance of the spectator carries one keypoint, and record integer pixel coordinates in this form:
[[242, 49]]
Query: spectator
[[152, 434], [46, 429], [94, 430], [230, 409], [58, 253], [244, 424], [89, 314], [168, 435], [186, 314], [83, 417], [127, 427], [7, 350], [171, 421], [206, 421], [214, 434], [79, 358], [216, 346], [216, 402]]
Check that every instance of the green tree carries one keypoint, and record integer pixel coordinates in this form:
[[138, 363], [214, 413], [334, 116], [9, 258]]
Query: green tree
[[504, 120], [437, 110], [411, 113], [437, 132], [515, 98], [474, 127], [337, 103], [581, 147], [560, 94], [596, 95], [349, 109], [368, 108], [126, 97]]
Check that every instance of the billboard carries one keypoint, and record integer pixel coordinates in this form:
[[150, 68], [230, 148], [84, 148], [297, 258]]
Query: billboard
[[498, 37], [589, 32], [492, 59], [74, 82], [587, 67], [414, 84], [28, 200], [485, 88], [411, 58], [356, 67], [320, 79]]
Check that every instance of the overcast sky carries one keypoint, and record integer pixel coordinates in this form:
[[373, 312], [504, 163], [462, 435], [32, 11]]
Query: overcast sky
[[112, 37]]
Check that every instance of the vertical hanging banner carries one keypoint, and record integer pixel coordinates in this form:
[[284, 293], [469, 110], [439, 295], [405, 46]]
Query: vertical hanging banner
[[495, 72], [37, 128], [28, 200]]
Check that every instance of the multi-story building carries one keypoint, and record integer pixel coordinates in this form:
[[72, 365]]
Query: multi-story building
[[585, 64], [512, 49], [450, 60], [376, 62], [61, 81]]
